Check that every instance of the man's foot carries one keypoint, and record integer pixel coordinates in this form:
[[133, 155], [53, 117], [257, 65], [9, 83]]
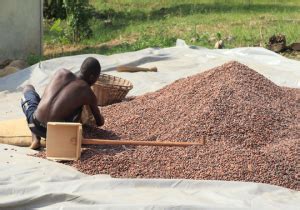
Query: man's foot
[[35, 145], [27, 88], [36, 142]]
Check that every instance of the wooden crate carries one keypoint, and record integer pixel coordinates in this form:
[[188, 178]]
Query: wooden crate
[[63, 141]]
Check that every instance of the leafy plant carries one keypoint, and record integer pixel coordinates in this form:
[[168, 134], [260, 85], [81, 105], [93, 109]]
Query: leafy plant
[[56, 26], [78, 16], [33, 59], [219, 35], [59, 33]]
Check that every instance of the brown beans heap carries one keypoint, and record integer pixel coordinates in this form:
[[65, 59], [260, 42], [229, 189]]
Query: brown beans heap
[[251, 126]]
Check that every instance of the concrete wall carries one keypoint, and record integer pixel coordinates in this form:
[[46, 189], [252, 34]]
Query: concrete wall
[[20, 28]]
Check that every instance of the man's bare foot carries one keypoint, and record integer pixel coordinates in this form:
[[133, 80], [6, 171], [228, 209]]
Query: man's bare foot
[[36, 142]]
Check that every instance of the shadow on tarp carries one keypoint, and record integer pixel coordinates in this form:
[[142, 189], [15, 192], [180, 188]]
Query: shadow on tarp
[[11, 82]]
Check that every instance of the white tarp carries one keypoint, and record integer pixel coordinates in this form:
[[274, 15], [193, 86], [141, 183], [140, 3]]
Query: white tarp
[[172, 63], [27, 182]]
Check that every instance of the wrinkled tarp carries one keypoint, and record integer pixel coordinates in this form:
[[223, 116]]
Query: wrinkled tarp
[[28, 182], [172, 63]]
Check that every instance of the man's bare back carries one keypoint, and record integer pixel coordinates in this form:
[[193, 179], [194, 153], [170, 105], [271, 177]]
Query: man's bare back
[[62, 100], [63, 97]]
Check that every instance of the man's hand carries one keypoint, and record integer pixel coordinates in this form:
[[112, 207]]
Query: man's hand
[[101, 120], [92, 102], [96, 112]]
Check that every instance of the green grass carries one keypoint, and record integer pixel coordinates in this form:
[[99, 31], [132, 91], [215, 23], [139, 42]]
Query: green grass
[[138, 24]]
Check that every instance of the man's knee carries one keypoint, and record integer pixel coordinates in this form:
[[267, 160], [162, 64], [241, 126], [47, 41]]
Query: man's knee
[[27, 88]]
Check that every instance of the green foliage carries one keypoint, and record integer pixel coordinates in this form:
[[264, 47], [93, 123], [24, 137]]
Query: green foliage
[[54, 9], [56, 27], [33, 59], [78, 15], [127, 25], [58, 33], [219, 35]]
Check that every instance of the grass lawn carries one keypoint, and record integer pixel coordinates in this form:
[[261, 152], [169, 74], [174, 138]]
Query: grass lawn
[[129, 25]]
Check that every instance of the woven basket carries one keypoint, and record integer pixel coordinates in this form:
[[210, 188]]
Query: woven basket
[[110, 89]]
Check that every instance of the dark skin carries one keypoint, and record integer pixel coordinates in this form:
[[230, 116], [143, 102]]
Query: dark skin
[[60, 101]]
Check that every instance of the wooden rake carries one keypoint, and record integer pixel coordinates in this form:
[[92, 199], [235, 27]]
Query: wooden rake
[[64, 141]]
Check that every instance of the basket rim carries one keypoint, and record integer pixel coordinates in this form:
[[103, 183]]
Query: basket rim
[[129, 86]]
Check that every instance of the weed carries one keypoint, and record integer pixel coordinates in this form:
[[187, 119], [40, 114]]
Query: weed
[[33, 59]]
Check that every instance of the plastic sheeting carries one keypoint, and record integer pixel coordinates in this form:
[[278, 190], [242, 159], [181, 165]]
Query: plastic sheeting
[[172, 63], [28, 182]]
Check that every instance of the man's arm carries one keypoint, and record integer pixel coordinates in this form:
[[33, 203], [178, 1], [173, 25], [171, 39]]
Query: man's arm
[[95, 110]]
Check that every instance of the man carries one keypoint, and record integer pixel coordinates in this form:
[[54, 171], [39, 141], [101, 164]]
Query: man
[[62, 100]]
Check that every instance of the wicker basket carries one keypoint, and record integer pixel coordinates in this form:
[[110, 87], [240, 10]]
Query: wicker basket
[[110, 89]]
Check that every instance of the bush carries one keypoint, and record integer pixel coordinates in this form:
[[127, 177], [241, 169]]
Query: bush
[[78, 13], [54, 9]]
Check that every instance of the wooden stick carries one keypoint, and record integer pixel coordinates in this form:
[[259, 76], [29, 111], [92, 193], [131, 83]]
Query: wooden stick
[[135, 69], [141, 143]]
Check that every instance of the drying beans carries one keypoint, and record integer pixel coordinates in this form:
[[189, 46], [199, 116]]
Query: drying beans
[[250, 124]]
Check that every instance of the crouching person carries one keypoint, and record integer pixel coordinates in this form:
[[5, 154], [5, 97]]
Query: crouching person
[[62, 100]]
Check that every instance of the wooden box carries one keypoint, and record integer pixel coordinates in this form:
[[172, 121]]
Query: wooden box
[[63, 141]]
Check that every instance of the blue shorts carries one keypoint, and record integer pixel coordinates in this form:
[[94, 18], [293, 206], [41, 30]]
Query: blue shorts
[[29, 103]]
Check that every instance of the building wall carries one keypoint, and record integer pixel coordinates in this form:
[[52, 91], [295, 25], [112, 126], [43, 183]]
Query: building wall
[[20, 28]]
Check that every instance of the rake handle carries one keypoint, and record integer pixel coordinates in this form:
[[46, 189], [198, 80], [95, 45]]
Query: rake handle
[[141, 143]]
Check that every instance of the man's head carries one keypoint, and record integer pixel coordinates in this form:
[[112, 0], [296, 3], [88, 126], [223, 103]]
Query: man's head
[[90, 70]]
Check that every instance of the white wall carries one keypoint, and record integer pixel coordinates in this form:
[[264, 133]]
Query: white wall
[[20, 28]]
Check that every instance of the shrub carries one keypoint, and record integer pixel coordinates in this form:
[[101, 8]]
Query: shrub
[[78, 16]]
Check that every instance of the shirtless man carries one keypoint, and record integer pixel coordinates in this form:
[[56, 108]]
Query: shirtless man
[[62, 100]]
